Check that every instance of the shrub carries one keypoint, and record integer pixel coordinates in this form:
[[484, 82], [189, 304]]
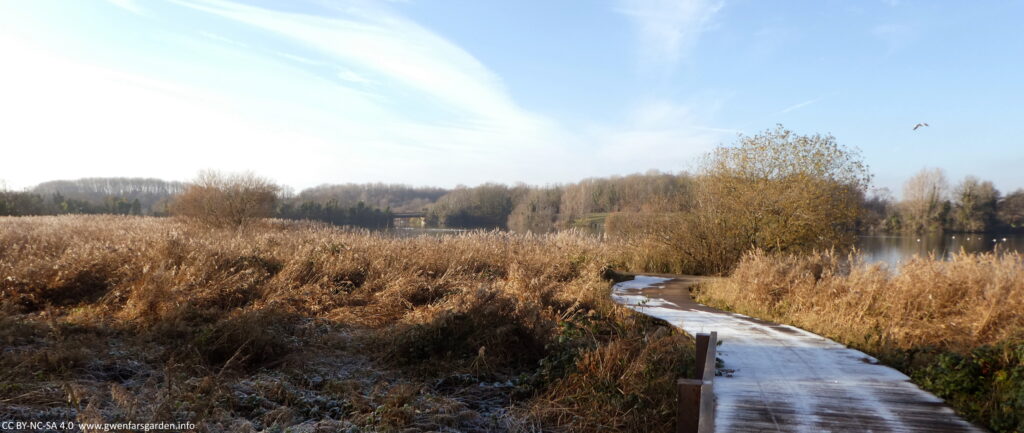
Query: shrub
[[226, 200], [775, 191]]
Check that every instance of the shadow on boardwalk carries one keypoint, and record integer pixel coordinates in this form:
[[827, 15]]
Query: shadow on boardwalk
[[778, 378]]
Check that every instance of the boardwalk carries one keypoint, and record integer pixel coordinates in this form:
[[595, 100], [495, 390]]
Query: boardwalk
[[778, 378]]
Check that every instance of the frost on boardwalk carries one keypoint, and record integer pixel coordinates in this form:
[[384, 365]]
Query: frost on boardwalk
[[785, 379]]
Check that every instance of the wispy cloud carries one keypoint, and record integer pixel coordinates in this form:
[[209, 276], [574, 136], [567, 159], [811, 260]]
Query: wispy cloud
[[806, 103], [129, 5], [669, 132], [399, 51], [223, 39], [799, 105], [361, 88], [486, 124], [668, 29], [353, 77]]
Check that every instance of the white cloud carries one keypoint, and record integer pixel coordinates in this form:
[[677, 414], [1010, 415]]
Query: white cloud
[[129, 5], [668, 29], [353, 77], [365, 96], [65, 120], [374, 39], [223, 39], [659, 134]]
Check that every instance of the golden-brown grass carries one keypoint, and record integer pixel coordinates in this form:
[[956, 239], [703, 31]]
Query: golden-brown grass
[[968, 301], [278, 323], [956, 327]]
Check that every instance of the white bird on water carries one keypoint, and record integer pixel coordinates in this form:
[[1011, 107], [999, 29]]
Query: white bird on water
[[919, 125]]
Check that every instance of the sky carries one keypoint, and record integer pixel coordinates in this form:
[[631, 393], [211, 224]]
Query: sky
[[432, 92]]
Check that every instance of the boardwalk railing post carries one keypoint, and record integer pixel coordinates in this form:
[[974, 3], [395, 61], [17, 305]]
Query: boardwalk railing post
[[702, 353], [696, 400], [688, 412]]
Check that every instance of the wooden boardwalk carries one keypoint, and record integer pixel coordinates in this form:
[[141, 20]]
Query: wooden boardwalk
[[778, 378]]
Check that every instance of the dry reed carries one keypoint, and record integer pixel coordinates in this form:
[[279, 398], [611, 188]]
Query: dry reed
[[956, 327], [968, 301], [288, 324]]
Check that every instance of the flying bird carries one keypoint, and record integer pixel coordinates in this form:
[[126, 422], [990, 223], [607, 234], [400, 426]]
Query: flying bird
[[919, 125]]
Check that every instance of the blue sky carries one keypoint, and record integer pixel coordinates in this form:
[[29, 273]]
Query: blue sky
[[433, 92]]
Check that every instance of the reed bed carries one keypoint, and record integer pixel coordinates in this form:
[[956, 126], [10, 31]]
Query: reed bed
[[297, 325], [956, 327]]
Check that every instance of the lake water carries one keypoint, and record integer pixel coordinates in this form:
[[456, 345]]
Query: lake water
[[895, 249]]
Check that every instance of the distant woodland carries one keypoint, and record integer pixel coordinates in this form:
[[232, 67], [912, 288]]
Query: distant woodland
[[126, 196], [603, 205], [929, 203]]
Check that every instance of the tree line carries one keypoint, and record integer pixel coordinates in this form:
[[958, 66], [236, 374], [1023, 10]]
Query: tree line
[[777, 188], [397, 197], [929, 204], [536, 209], [29, 203], [232, 200], [215, 198], [124, 196]]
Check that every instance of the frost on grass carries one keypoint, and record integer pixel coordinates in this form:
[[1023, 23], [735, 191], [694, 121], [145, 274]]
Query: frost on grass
[[284, 325]]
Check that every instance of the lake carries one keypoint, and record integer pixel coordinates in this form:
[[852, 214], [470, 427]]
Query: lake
[[898, 248]]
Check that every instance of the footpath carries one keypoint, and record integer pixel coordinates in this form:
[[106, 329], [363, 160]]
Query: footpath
[[778, 378]]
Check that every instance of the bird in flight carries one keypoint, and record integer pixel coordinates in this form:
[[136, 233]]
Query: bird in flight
[[919, 125]]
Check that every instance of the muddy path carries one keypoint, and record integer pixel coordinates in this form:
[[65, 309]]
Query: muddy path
[[778, 378]]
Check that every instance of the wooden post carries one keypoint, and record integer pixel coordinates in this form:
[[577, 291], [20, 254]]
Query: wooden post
[[688, 411], [707, 408], [702, 354], [696, 399]]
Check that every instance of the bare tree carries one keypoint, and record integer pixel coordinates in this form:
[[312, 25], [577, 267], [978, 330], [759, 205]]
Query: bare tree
[[397, 197], [1011, 210], [880, 213], [226, 200], [975, 205], [925, 204], [536, 211]]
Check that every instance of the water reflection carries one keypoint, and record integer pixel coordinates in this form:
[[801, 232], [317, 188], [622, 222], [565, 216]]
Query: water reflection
[[895, 249], [412, 232]]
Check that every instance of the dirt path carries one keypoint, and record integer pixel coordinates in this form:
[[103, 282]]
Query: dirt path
[[779, 378]]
